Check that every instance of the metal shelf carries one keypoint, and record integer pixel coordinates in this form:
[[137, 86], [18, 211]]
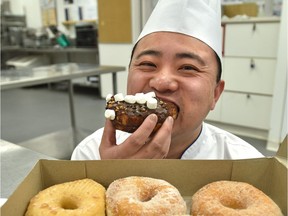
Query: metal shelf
[[13, 20], [49, 50]]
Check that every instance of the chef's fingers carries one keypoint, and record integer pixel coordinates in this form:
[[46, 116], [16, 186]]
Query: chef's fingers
[[138, 139], [108, 142], [159, 145], [109, 150]]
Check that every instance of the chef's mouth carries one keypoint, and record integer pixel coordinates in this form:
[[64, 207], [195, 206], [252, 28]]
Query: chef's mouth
[[174, 104], [178, 111]]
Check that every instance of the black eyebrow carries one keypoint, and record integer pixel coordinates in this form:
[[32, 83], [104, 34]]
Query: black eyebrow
[[191, 56], [148, 52]]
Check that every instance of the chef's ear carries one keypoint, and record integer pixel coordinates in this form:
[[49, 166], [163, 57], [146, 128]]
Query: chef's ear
[[217, 92]]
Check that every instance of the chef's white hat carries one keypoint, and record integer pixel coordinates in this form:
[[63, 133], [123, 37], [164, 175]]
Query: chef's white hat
[[197, 18]]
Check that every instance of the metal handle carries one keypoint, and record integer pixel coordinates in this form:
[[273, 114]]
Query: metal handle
[[254, 27], [252, 64]]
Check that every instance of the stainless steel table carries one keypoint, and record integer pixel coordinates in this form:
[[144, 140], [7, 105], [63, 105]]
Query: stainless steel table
[[16, 163], [68, 139], [42, 50]]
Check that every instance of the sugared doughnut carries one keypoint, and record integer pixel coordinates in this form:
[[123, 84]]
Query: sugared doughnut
[[128, 112], [143, 196], [81, 197], [230, 198]]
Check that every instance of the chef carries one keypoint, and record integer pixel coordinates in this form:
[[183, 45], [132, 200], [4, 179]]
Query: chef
[[178, 56]]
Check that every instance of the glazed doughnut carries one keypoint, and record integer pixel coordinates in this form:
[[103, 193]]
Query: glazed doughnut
[[81, 197], [128, 113], [143, 196], [230, 198]]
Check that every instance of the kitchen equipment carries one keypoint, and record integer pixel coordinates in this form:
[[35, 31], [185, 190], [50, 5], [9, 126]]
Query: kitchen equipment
[[86, 35], [27, 61]]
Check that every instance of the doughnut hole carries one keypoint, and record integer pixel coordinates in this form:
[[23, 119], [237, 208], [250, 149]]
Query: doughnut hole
[[68, 203], [147, 195], [233, 203]]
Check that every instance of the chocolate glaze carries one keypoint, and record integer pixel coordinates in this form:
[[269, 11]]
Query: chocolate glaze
[[128, 117]]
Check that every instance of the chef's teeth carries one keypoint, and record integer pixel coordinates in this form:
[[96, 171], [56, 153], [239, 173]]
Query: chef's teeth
[[108, 97], [140, 98], [119, 97], [109, 114], [130, 99], [151, 103]]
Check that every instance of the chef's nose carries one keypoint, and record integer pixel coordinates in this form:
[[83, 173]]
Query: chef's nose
[[163, 81]]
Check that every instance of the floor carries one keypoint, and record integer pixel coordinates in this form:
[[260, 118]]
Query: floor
[[27, 113]]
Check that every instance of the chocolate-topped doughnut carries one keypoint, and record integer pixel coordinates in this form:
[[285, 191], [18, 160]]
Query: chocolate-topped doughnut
[[128, 112]]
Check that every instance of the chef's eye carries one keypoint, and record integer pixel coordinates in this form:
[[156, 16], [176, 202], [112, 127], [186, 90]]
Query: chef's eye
[[147, 64], [188, 68]]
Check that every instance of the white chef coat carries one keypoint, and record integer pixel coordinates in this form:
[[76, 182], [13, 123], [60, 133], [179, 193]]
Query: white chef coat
[[212, 143]]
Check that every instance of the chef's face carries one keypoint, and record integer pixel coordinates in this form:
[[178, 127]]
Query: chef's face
[[180, 69]]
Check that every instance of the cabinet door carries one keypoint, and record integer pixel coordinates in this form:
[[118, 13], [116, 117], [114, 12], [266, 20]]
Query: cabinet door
[[251, 39], [114, 21], [246, 110], [249, 75]]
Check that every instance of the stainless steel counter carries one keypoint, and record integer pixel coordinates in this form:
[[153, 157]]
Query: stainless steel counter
[[16, 163], [49, 49], [59, 72], [61, 143]]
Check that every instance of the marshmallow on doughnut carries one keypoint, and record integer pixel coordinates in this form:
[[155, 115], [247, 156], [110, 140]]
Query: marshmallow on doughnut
[[128, 112]]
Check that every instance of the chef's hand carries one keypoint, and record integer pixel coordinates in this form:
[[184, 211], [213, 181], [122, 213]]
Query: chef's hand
[[139, 145]]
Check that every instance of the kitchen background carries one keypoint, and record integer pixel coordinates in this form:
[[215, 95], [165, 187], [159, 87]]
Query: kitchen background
[[39, 33]]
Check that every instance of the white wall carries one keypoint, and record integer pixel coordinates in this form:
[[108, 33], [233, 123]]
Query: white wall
[[30, 8], [118, 54], [278, 120]]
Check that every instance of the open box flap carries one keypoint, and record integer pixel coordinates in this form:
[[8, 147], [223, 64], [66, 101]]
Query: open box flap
[[281, 154], [176, 172], [268, 174], [18, 201]]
